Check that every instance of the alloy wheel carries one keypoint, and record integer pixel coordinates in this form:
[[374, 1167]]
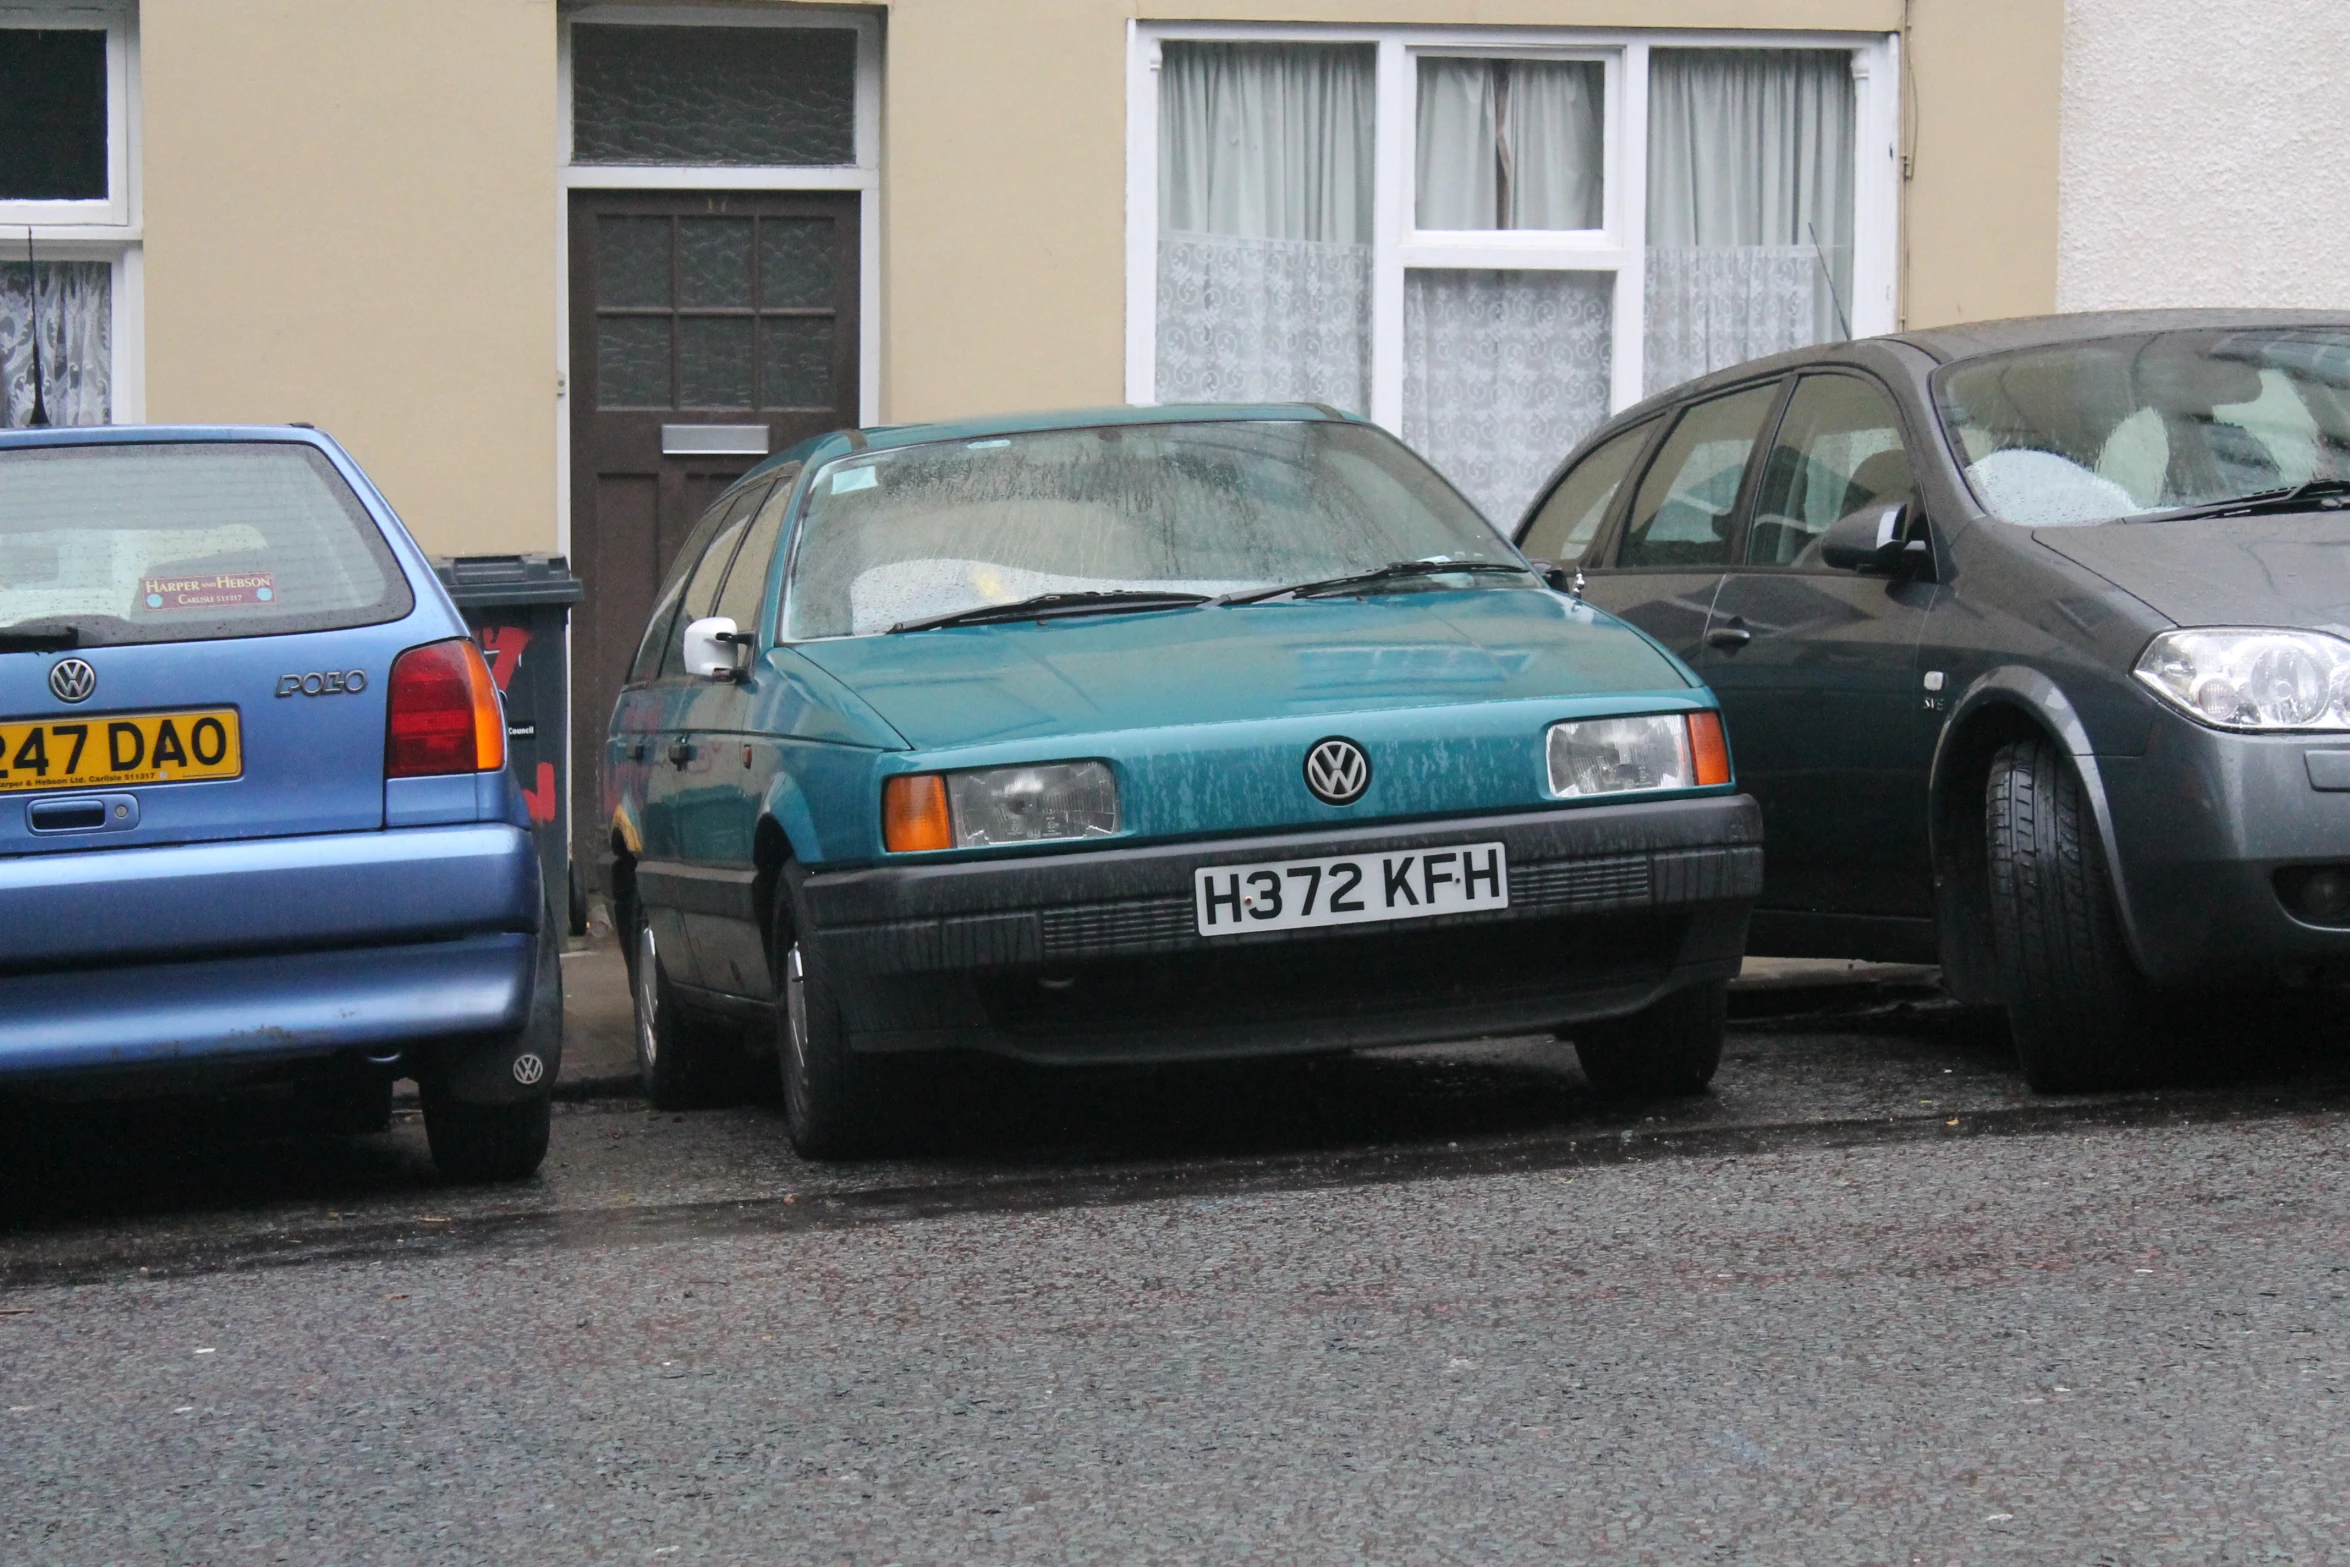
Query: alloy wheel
[[795, 1007], [648, 996]]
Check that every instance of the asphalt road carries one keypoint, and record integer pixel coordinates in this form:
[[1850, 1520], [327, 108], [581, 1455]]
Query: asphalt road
[[1866, 1302]]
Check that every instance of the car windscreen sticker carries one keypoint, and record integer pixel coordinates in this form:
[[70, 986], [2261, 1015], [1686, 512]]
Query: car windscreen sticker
[[210, 590], [846, 479]]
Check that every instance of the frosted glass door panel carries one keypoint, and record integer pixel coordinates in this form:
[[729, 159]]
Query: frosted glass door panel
[[713, 95]]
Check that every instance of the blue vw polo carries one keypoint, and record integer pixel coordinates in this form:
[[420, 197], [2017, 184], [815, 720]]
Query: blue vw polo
[[255, 818], [1152, 734]]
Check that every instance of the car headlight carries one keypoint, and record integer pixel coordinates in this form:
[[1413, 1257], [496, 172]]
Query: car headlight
[[991, 805], [2252, 680], [1590, 756]]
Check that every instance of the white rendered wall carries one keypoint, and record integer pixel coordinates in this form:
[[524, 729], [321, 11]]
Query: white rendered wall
[[2204, 150]]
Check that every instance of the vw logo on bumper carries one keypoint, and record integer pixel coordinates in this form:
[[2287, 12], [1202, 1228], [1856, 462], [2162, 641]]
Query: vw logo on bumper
[[1337, 771], [72, 680]]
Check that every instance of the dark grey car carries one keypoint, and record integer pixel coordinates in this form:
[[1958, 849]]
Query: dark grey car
[[2033, 638]]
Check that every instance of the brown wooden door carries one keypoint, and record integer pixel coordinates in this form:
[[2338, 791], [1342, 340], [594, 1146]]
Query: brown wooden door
[[697, 320]]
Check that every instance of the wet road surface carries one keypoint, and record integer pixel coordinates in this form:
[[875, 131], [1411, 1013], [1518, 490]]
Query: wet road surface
[[1869, 1301]]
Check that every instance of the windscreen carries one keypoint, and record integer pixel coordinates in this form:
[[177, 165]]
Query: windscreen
[[2122, 426], [185, 541], [897, 536]]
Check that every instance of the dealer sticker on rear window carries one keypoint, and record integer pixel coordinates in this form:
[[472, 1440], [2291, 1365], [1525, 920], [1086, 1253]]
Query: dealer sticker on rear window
[[1351, 889], [209, 590]]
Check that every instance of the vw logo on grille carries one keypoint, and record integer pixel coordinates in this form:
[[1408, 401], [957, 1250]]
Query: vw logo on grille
[[1337, 771], [72, 680]]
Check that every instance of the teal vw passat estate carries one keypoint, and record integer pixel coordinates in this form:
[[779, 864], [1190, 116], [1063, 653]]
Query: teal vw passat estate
[[1148, 735]]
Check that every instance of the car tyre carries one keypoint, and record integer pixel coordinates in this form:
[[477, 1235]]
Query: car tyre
[[1670, 1047], [673, 1057], [832, 1097], [2076, 1004], [480, 1143]]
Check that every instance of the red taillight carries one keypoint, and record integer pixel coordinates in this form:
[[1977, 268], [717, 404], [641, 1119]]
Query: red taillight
[[444, 714]]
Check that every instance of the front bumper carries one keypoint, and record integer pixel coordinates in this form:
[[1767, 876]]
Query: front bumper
[[2202, 823], [1611, 907]]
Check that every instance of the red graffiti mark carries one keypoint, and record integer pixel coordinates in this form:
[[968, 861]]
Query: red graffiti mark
[[542, 799], [501, 648]]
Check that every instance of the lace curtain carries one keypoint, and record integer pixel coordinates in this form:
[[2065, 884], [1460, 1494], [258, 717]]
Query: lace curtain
[[1265, 188], [1750, 193], [1714, 305], [77, 329], [1263, 321], [1503, 373]]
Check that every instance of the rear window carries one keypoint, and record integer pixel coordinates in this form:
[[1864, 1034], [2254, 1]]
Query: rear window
[[189, 541]]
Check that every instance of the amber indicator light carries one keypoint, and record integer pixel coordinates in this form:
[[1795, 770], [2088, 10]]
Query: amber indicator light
[[914, 814], [1708, 749]]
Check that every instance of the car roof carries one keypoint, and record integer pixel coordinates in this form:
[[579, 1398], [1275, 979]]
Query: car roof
[[149, 434], [1966, 340], [1973, 339], [838, 443]]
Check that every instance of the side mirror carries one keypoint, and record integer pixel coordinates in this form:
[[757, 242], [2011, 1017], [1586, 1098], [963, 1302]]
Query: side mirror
[[711, 649], [1564, 578], [1875, 538]]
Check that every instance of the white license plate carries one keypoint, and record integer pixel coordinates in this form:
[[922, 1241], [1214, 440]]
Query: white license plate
[[1350, 889]]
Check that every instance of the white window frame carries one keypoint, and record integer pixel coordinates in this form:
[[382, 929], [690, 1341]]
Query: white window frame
[[862, 176], [108, 229], [1618, 246]]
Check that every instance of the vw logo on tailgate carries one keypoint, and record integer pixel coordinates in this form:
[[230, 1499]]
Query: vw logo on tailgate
[[72, 680], [1337, 771]]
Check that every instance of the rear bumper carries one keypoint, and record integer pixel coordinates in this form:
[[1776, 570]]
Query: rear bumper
[[265, 948], [99, 908], [1611, 907], [253, 1010]]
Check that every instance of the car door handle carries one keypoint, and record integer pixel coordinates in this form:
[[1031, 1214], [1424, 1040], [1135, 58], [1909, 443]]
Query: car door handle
[[680, 753], [1729, 637]]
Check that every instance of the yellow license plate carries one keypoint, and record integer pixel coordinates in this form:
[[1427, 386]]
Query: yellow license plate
[[108, 749]]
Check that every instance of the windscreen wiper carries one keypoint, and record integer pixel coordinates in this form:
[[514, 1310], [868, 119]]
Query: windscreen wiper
[[39, 639], [2292, 497], [1053, 606], [1390, 572]]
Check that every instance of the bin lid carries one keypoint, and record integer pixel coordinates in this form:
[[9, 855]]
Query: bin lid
[[495, 581]]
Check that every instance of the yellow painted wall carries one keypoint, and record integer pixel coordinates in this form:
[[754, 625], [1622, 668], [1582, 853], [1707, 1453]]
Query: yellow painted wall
[[351, 208], [351, 220], [1983, 107]]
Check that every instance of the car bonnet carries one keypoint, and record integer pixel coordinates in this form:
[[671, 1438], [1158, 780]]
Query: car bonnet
[[972, 685], [2291, 570]]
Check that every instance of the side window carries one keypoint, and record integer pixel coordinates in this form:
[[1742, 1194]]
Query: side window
[[701, 584], [1839, 449], [1570, 516], [746, 580], [1682, 513], [647, 663]]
